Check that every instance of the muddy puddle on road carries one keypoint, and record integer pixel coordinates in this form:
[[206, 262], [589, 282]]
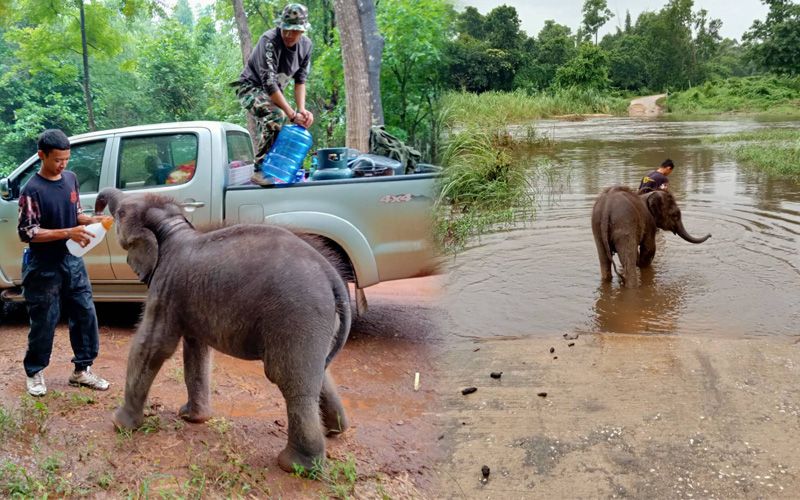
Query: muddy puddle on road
[[545, 278]]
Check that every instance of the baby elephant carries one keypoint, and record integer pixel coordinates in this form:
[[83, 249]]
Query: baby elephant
[[254, 292], [625, 222]]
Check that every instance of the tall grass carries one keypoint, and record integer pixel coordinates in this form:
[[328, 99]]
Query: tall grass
[[754, 94], [503, 108], [775, 151], [485, 186]]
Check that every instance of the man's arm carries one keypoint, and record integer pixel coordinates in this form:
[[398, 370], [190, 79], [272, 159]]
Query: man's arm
[[79, 234], [306, 118]]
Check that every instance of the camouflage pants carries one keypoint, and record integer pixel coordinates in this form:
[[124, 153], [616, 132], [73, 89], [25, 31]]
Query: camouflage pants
[[269, 118]]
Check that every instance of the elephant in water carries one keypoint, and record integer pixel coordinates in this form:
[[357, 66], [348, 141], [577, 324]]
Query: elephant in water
[[255, 292], [625, 222]]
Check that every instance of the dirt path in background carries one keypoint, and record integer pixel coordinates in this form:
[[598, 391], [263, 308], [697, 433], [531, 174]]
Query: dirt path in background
[[234, 454], [646, 106]]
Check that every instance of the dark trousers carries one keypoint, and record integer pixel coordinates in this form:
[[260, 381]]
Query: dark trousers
[[48, 283]]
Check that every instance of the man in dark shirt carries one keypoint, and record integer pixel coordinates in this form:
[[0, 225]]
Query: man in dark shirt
[[49, 215], [281, 54], [657, 179]]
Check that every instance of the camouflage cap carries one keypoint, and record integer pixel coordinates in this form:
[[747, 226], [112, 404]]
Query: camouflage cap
[[293, 17]]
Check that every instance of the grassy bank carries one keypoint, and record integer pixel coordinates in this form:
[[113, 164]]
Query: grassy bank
[[756, 94], [775, 151], [503, 108], [489, 183]]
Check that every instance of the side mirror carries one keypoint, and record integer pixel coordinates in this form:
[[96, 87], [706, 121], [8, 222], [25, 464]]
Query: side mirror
[[5, 191]]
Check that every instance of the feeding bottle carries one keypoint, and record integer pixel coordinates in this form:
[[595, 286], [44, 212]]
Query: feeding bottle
[[287, 153], [99, 230]]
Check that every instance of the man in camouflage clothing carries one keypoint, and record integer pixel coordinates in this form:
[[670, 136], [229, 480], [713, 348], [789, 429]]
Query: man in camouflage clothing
[[282, 53]]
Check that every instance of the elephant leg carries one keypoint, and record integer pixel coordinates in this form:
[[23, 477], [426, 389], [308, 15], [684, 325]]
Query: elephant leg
[[647, 251], [628, 257], [334, 419], [197, 370], [301, 391], [151, 346], [605, 262]]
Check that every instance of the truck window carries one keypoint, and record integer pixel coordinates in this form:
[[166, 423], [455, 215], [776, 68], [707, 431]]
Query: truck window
[[158, 160], [85, 159], [240, 147]]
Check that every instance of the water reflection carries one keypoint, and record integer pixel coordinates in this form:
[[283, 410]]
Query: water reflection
[[652, 308]]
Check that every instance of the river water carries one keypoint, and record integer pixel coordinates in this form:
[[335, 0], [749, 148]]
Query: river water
[[544, 278]]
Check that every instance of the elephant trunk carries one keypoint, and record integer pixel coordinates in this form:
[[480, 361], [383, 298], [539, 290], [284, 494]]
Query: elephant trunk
[[107, 197], [681, 231]]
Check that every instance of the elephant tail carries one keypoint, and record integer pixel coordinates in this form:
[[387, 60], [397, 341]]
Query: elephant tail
[[605, 235], [343, 313]]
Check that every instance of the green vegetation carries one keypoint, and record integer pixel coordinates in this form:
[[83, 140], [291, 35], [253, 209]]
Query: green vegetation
[[339, 476], [504, 108], [484, 187], [773, 94], [775, 151]]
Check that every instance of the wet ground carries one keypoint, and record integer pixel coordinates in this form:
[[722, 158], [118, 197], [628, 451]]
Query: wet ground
[[390, 440], [683, 388]]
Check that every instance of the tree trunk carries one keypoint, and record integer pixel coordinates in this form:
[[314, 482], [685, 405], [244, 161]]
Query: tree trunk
[[87, 86], [362, 47], [246, 43]]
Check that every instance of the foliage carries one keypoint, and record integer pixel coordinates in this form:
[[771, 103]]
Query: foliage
[[595, 14], [780, 95], [774, 44], [588, 70], [339, 476], [554, 47], [411, 80], [503, 108], [487, 52], [775, 151]]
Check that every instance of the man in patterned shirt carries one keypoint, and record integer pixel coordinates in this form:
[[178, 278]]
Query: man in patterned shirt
[[282, 53], [49, 215]]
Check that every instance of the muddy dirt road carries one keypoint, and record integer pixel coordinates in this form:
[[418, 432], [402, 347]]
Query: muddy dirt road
[[390, 441], [624, 416], [646, 106]]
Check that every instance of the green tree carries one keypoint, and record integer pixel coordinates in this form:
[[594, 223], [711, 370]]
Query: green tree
[[502, 29], [554, 47], [183, 13], [587, 70], [412, 80], [628, 59], [471, 22], [774, 44], [595, 14], [171, 71]]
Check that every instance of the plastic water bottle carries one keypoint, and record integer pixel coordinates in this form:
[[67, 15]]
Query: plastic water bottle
[[287, 153], [99, 230]]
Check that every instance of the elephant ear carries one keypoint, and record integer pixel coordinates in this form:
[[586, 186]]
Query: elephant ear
[[139, 240], [143, 255], [656, 205]]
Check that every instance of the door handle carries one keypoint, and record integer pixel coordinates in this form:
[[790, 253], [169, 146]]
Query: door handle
[[191, 206], [88, 211], [3, 220]]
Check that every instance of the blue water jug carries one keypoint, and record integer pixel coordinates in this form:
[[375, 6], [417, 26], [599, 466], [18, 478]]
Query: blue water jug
[[287, 153]]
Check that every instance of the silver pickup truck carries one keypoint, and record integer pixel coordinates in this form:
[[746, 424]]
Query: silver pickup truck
[[380, 226]]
